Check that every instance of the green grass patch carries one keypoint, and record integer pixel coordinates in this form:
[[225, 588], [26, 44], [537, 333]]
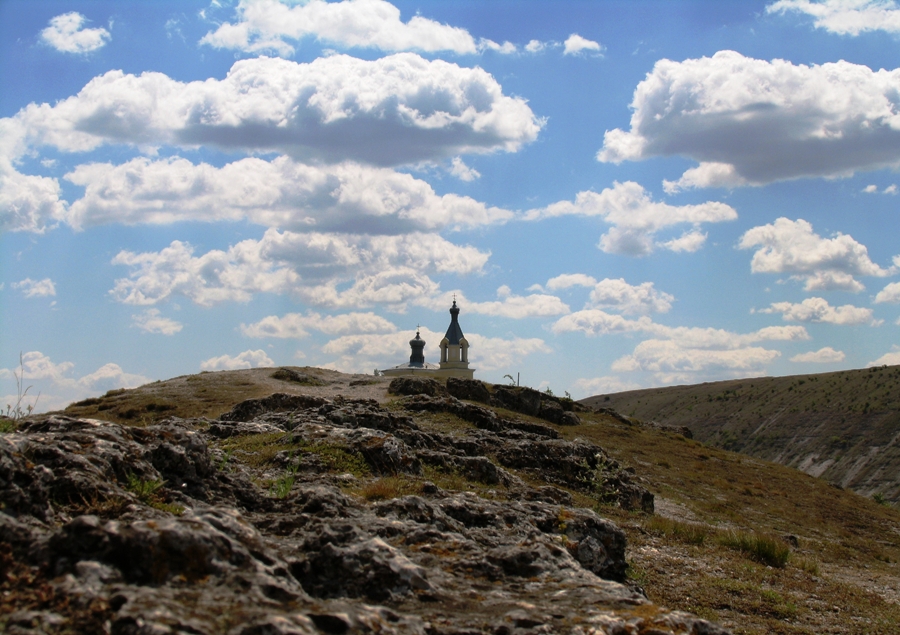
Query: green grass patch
[[761, 548], [257, 450], [338, 459], [690, 533], [389, 487], [810, 565]]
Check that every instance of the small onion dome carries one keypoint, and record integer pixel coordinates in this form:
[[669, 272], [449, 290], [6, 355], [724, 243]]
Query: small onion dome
[[417, 344]]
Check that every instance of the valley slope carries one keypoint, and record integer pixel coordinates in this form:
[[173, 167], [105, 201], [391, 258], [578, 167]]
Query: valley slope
[[843, 427]]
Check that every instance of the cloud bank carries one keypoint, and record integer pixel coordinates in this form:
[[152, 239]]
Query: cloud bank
[[408, 108], [345, 197], [247, 359], [749, 121], [845, 17], [792, 247], [387, 270], [636, 219], [272, 26], [817, 310]]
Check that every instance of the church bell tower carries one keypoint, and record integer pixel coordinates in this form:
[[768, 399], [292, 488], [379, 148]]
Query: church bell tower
[[455, 349]]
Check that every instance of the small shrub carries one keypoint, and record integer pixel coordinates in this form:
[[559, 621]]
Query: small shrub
[[764, 549]]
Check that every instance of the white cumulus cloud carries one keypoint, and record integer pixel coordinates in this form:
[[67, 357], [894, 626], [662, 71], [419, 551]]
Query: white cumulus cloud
[[588, 387], [67, 34], [670, 357], [567, 280], [51, 386], [298, 325], [845, 17], [888, 359], [27, 203], [408, 108], [683, 353], [818, 310], [151, 321], [636, 218], [507, 305], [627, 298], [247, 359], [576, 44], [594, 322], [36, 365], [462, 171], [110, 377], [749, 121], [891, 293], [344, 197], [616, 293], [272, 26], [826, 355], [388, 270], [792, 247], [36, 288]]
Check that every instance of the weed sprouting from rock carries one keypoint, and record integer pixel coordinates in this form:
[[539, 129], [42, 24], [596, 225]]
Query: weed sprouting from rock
[[145, 490], [148, 491], [282, 486]]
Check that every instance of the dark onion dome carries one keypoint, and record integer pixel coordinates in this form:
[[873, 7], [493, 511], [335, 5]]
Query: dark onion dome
[[417, 344], [454, 332]]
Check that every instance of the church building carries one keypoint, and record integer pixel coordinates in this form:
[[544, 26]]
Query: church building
[[454, 355]]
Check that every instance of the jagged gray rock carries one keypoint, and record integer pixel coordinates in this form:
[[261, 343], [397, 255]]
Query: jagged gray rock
[[213, 551]]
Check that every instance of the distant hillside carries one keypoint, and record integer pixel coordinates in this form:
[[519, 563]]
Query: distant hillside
[[843, 427]]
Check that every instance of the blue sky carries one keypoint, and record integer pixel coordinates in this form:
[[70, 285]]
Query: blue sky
[[619, 194]]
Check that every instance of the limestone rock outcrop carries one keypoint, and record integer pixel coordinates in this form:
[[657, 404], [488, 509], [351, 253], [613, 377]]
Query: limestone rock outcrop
[[106, 528]]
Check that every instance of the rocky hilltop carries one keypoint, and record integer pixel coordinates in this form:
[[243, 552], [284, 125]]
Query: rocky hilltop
[[839, 426], [413, 507]]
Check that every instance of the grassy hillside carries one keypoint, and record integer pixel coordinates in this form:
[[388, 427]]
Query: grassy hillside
[[840, 426], [725, 522], [210, 394]]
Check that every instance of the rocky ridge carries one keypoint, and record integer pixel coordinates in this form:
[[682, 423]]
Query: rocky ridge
[[251, 523]]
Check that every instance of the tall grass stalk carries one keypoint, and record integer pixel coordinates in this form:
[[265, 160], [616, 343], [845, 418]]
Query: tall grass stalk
[[20, 409]]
